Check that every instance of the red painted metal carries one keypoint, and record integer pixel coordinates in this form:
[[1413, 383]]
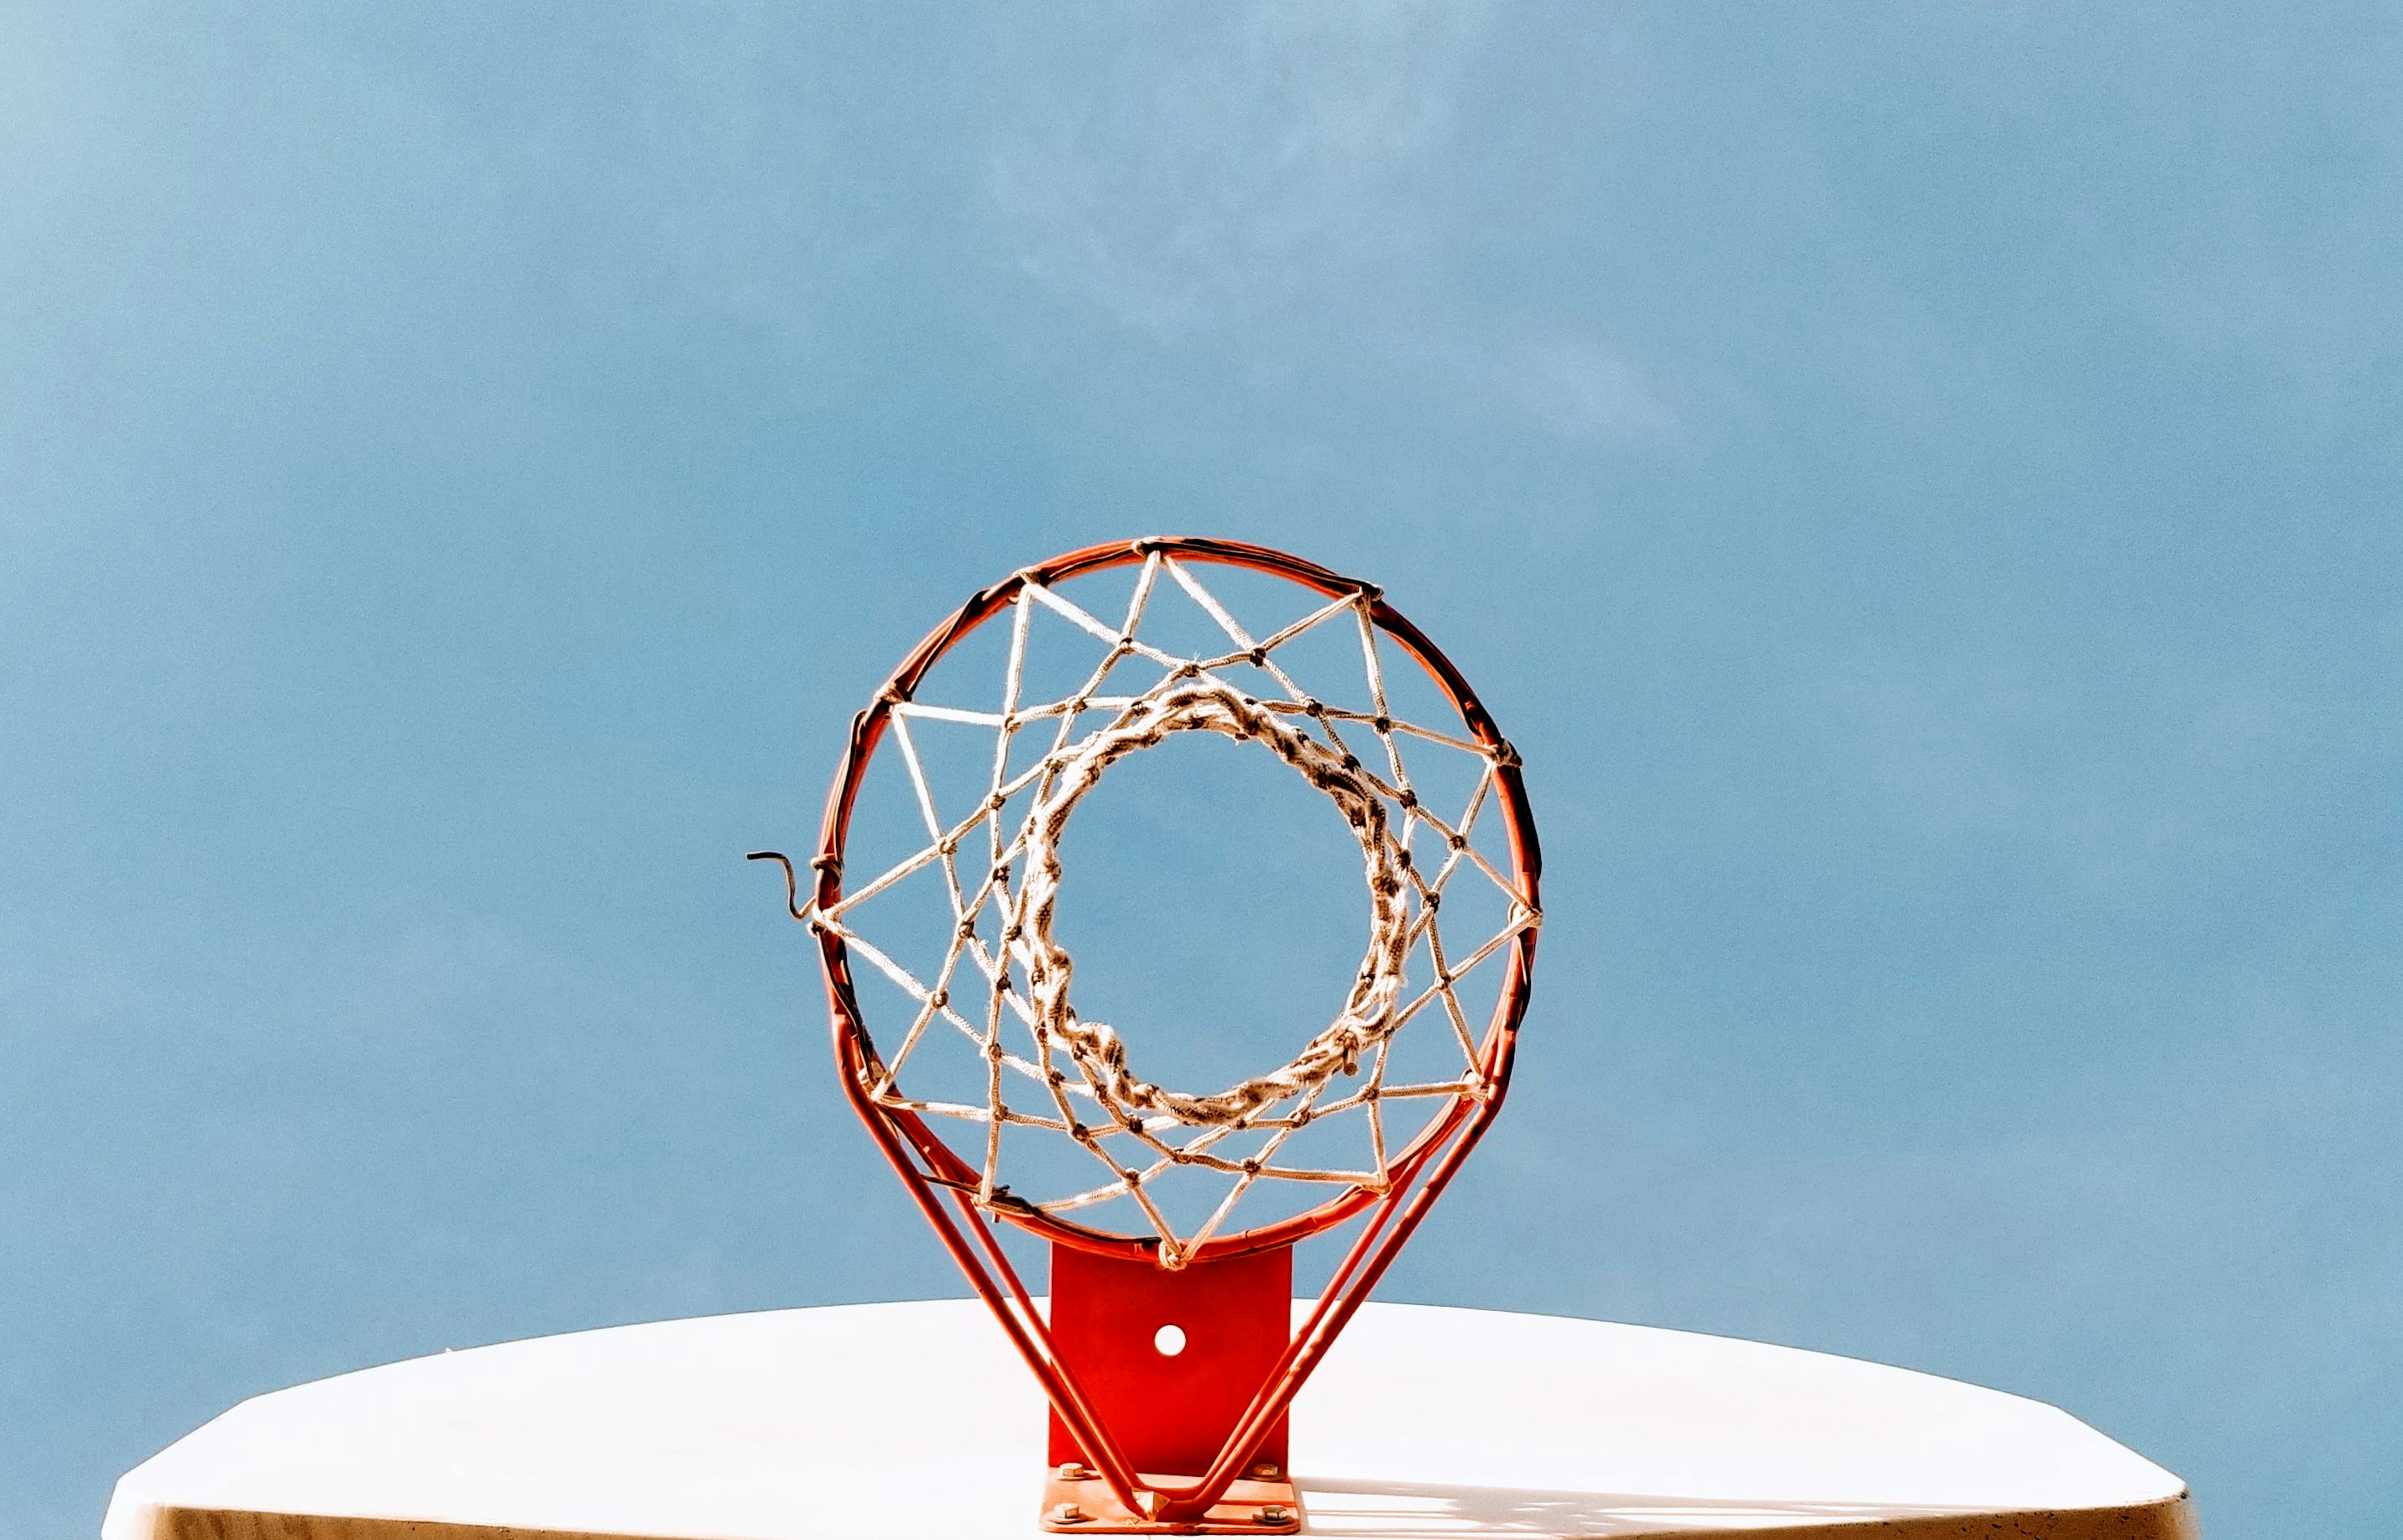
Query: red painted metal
[[1078, 1502], [1171, 1413], [1087, 1388]]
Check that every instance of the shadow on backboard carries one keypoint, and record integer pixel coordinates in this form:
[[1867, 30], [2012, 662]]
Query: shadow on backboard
[[1367, 1511]]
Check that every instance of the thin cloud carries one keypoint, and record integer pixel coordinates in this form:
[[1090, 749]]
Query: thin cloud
[[1264, 188], [1214, 180]]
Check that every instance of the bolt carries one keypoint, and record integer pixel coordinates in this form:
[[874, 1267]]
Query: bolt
[[1065, 1513], [1265, 1471], [1275, 1513], [1072, 1471]]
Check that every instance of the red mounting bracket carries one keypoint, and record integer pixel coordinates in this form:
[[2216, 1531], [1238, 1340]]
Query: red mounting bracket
[[1168, 1361]]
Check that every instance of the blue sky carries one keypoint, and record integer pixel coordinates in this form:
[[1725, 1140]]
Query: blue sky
[[1918, 483]]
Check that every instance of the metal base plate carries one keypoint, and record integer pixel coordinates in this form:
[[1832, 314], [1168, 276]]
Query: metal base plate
[[1077, 1501]]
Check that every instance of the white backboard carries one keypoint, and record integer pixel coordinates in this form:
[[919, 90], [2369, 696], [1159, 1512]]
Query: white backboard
[[915, 1421]]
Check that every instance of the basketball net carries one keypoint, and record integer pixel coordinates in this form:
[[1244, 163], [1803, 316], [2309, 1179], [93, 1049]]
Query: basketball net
[[1128, 1411]]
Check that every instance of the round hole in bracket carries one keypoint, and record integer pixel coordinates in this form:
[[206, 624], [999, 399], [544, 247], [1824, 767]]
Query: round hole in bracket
[[1169, 1340]]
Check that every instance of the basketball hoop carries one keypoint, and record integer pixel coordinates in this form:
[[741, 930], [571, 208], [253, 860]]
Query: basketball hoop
[[1169, 1351]]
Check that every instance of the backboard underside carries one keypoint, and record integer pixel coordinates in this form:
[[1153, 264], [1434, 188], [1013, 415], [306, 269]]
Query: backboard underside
[[903, 1422]]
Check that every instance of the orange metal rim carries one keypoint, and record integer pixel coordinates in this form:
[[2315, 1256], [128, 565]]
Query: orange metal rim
[[855, 1047]]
